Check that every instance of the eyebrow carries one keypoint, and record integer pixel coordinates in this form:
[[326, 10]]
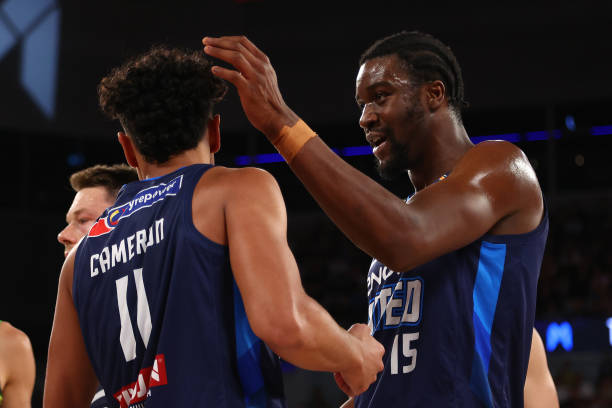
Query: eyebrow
[[76, 213], [372, 86]]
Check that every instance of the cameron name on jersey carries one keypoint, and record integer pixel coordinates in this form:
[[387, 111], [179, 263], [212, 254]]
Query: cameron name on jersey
[[127, 248]]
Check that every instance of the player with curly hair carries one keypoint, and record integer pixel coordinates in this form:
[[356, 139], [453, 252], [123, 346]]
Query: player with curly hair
[[185, 290]]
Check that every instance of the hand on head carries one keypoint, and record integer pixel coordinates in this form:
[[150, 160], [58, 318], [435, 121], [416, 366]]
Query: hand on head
[[255, 80]]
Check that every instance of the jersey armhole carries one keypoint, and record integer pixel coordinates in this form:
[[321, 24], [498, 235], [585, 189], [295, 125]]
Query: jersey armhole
[[195, 177]]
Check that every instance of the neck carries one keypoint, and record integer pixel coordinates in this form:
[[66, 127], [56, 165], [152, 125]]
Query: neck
[[449, 142], [199, 155]]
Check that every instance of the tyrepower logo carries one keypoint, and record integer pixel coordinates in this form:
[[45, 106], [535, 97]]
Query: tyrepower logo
[[148, 378], [145, 198]]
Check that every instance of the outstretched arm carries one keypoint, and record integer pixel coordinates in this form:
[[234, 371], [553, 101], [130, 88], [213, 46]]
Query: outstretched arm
[[492, 181], [70, 380], [18, 366], [295, 326], [540, 391]]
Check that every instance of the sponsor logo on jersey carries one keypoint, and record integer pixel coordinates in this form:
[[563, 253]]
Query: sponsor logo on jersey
[[148, 378], [145, 198]]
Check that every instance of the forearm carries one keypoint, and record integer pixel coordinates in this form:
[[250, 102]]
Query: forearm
[[347, 195], [318, 343]]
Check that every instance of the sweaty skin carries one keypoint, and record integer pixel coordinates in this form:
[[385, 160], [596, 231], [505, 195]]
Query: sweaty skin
[[243, 209], [491, 187]]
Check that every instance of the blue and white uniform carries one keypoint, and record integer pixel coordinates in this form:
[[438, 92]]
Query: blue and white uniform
[[457, 330], [160, 312]]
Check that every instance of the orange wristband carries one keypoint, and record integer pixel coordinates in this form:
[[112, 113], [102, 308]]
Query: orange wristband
[[292, 139]]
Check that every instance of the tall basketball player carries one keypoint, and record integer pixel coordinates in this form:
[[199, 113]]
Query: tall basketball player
[[185, 291], [452, 285]]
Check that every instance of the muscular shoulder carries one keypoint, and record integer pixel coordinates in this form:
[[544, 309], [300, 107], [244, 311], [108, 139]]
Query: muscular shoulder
[[503, 174], [496, 155], [13, 338], [233, 193], [499, 163], [243, 183], [14, 344]]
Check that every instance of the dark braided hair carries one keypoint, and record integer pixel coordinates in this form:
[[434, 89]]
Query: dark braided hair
[[163, 100], [426, 59]]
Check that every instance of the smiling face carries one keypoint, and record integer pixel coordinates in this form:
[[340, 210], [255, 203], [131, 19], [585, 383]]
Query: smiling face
[[392, 114], [88, 204]]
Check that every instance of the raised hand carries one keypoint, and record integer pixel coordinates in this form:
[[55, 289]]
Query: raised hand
[[255, 80], [355, 381]]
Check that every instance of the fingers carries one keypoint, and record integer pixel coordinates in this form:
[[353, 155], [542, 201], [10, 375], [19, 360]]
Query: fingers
[[236, 43], [230, 75], [237, 51], [342, 384], [237, 59]]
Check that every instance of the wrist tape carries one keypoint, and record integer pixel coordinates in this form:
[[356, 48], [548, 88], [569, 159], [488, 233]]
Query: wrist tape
[[292, 139]]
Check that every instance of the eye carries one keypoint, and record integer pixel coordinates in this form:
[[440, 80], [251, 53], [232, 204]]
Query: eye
[[380, 96], [84, 220]]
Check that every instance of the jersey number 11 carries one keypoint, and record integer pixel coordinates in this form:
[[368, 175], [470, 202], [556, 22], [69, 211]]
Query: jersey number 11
[[143, 315]]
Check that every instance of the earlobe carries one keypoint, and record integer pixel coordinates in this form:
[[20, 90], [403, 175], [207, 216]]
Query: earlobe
[[128, 149], [436, 93], [214, 134]]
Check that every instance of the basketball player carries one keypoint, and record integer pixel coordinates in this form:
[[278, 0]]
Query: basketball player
[[452, 285], [17, 367], [184, 287], [96, 189]]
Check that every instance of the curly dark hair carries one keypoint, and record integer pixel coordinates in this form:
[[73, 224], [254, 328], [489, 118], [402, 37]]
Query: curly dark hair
[[426, 59], [112, 178], [163, 100]]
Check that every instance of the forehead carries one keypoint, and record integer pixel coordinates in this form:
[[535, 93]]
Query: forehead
[[386, 69], [92, 199]]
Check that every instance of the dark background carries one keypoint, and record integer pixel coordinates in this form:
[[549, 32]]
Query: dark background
[[526, 68]]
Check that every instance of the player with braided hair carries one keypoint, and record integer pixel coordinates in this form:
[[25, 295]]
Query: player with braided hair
[[452, 285]]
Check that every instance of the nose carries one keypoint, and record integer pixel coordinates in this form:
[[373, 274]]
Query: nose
[[66, 237], [369, 117]]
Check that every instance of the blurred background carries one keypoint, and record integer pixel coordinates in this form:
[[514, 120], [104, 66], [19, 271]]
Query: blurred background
[[538, 75]]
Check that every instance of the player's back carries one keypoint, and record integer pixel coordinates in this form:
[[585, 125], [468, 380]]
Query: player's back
[[162, 319]]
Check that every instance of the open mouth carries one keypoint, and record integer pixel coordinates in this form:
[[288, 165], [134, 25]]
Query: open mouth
[[375, 139]]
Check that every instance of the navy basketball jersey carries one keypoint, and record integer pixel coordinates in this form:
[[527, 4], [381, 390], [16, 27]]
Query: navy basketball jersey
[[457, 330], [163, 321]]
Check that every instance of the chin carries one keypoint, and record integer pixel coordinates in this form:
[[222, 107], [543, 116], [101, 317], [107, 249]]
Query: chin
[[388, 170]]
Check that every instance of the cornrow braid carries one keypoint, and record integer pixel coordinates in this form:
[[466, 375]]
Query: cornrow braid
[[427, 59]]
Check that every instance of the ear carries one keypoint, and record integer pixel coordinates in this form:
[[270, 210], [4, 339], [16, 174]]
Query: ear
[[214, 134], [128, 149], [435, 95]]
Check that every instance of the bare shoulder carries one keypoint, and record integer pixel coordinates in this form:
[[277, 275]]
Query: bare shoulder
[[497, 153], [501, 172], [243, 181], [499, 161], [13, 342], [242, 175]]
